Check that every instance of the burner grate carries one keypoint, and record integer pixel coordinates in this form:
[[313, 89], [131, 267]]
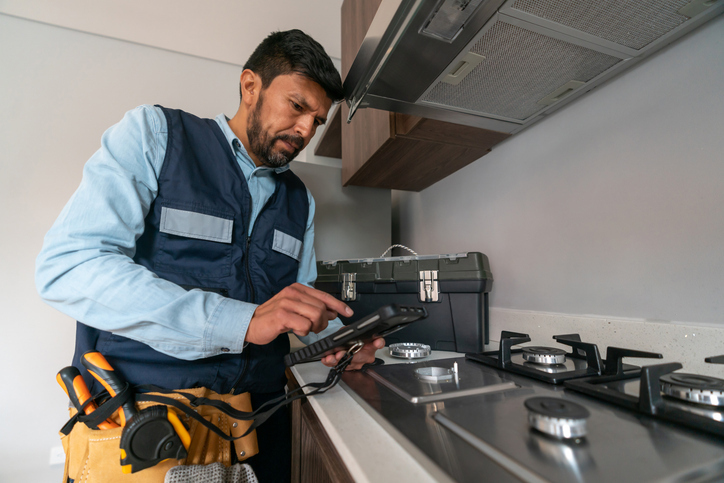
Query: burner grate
[[584, 359], [651, 401]]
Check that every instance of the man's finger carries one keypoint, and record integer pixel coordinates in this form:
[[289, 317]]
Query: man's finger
[[309, 308], [332, 303], [329, 361], [366, 355], [378, 343], [298, 324]]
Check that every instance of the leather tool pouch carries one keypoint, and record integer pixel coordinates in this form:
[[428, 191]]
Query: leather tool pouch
[[215, 422], [94, 455]]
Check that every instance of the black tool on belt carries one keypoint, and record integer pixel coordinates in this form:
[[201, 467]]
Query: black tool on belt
[[156, 433]]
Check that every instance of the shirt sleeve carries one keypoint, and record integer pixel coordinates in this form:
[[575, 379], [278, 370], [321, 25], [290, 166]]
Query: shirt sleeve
[[85, 268], [308, 273]]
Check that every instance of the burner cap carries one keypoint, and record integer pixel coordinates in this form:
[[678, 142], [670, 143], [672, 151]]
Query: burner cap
[[410, 350], [435, 375], [544, 355], [557, 417], [694, 388]]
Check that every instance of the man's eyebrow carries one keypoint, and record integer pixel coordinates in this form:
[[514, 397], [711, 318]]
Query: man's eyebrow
[[303, 102]]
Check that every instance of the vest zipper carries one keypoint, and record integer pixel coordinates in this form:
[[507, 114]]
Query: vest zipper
[[248, 279], [251, 292], [248, 272]]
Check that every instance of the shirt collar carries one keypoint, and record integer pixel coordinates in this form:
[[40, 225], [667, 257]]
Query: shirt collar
[[238, 147]]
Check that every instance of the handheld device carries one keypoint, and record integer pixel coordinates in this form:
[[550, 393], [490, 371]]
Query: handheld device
[[383, 321]]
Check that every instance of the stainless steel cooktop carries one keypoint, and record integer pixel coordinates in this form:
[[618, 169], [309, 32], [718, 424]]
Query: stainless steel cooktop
[[484, 423], [428, 382]]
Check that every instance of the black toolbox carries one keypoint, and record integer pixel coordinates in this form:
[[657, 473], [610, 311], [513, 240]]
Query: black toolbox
[[453, 288]]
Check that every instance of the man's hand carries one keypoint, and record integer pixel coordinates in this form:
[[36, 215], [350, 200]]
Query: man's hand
[[297, 308], [366, 355]]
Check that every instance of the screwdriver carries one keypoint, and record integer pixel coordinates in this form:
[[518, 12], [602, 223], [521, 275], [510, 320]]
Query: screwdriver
[[74, 386], [99, 367]]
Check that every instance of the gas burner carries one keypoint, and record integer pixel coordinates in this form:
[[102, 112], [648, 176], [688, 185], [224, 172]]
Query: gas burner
[[544, 355], [557, 417], [410, 350], [694, 388], [437, 375], [544, 363]]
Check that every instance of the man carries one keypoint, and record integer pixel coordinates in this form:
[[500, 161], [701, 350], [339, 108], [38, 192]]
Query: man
[[186, 254]]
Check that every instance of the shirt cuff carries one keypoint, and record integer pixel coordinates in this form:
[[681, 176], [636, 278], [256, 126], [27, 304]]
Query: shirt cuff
[[227, 326]]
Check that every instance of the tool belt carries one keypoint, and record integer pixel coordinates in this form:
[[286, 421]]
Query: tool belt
[[93, 455], [153, 429]]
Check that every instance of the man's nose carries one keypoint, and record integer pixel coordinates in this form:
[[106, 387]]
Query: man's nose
[[305, 127]]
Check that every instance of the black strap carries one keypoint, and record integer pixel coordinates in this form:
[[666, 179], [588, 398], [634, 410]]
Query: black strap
[[106, 407], [259, 416]]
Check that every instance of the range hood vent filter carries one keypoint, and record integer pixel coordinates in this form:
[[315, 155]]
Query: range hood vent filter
[[631, 23], [502, 65], [519, 69]]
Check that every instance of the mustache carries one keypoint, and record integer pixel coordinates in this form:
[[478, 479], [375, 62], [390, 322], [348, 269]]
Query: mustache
[[296, 141]]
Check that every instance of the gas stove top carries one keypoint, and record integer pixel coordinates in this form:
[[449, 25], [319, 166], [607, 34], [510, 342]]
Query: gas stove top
[[535, 414]]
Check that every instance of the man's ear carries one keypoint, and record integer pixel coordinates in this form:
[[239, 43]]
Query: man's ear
[[250, 85]]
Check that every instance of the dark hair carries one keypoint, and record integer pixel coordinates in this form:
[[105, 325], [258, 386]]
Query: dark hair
[[294, 51]]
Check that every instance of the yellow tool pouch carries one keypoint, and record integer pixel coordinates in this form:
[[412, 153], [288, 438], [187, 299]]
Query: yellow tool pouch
[[217, 427], [94, 455]]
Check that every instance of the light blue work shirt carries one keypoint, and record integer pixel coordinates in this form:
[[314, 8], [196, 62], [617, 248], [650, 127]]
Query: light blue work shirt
[[85, 268]]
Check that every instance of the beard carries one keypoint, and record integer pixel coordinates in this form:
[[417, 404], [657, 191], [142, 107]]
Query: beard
[[261, 143]]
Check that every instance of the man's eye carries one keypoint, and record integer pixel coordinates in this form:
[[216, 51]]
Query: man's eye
[[296, 106]]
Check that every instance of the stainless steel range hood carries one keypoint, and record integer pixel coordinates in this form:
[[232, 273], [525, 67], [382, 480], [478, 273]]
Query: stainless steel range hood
[[502, 65]]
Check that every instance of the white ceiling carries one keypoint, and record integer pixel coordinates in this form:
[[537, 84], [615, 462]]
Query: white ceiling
[[223, 30]]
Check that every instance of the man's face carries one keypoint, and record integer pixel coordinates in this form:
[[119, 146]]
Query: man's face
[[285, 118]]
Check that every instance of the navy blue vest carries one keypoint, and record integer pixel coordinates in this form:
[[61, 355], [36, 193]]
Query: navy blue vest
[[201, 176]]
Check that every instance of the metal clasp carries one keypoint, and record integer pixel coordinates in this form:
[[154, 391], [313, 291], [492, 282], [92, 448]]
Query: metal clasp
[[355, 348], [349, 286], [347, 358], [429, 291]]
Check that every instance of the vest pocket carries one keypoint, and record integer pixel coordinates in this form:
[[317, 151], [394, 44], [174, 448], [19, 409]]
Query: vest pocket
[[196, 225], [287, 244], [195, 241]]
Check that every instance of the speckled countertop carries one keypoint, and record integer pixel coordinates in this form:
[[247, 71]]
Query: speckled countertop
[[687, 344]]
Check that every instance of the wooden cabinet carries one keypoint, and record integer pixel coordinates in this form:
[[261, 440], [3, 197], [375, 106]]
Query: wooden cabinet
[[330, 142], [314, 458], [389, 150]]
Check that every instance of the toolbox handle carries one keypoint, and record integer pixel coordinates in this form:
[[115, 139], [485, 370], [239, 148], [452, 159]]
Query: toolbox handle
[[399, 246]]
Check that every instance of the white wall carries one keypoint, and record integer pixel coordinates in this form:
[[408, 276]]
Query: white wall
[[611, 207], [59, 90], [350, 222], [223, 30]]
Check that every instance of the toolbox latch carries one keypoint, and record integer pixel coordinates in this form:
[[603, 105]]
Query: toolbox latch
[[428, 286], [349, 286]]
